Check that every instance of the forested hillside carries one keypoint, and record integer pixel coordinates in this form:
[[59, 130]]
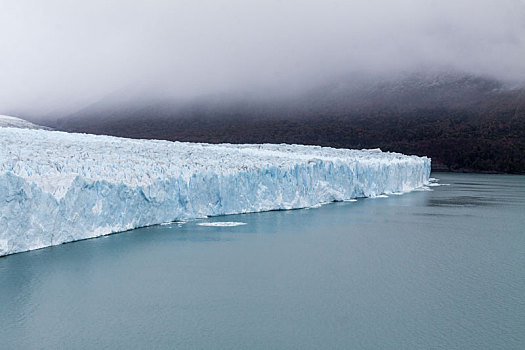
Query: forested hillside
[[463, 123]]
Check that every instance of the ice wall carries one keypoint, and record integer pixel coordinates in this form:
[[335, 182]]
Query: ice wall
[[58, 187]]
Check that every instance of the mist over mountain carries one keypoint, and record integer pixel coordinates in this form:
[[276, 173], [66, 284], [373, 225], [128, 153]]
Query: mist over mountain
[[442, 78], [347, 94], [58, 56], [464, 122]]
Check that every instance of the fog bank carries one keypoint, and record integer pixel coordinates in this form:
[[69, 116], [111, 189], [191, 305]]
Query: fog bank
[[57, 56]]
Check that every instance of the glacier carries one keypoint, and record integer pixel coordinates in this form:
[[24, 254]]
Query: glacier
[[7, 121], [58, 187]]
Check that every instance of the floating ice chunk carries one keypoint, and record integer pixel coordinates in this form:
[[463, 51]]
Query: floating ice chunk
[[318, 205], [433, 182], [422, 189], [222, 223]]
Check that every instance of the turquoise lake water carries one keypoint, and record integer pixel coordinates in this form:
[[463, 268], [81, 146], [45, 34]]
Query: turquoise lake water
[[427, 270]]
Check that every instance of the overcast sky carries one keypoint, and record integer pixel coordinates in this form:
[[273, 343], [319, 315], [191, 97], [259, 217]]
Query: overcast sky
[[64, 54]]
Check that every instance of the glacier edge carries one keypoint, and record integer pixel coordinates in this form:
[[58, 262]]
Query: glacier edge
[[88, 186]]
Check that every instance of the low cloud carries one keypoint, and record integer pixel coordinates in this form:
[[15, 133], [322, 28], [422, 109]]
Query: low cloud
[[59, 55]]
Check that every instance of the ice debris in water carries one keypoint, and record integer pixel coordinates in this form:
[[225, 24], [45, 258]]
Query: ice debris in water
[[222, 223], [58, 187]]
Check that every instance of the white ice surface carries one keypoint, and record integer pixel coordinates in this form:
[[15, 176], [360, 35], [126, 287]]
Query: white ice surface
[[222, 223], [58, 187]]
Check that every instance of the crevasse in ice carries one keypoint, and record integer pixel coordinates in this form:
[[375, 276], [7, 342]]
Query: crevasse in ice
[[58, 187]]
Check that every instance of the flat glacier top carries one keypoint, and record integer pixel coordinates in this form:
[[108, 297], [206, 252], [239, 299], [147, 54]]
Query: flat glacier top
[[53, 159], [14, 122]]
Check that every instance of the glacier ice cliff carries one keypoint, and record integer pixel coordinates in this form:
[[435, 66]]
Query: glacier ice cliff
[[58, 187]]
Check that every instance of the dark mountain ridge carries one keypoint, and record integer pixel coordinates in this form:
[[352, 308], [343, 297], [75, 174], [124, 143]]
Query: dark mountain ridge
[[463, 122]]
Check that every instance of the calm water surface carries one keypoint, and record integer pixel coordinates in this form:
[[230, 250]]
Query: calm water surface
[[427, 270]]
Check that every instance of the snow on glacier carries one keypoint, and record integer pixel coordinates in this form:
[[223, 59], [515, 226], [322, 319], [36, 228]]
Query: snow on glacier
[[7, 121], [58, 187]]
